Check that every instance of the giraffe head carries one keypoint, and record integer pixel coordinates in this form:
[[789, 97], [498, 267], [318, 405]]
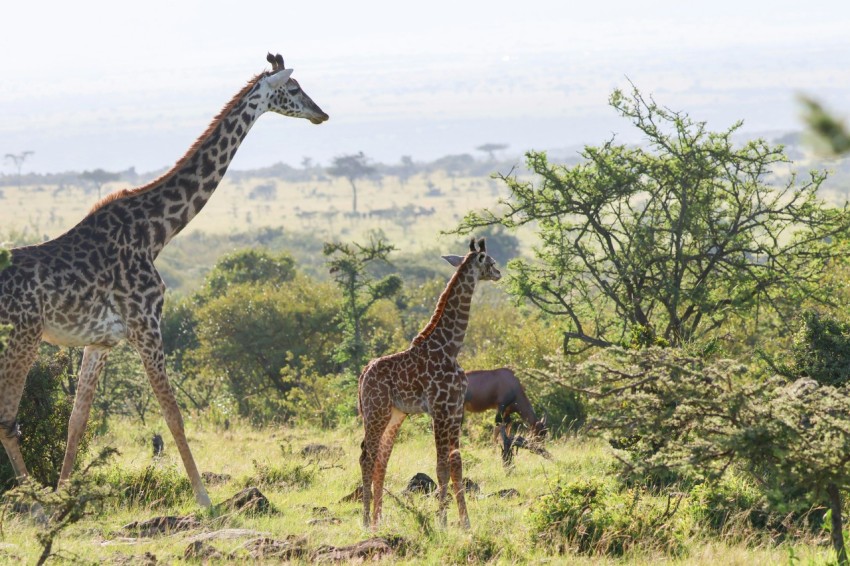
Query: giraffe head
[[479, 262], [283, 94]]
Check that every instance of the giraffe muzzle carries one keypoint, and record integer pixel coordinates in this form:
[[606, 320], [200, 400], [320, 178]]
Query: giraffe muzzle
[[320, 118]]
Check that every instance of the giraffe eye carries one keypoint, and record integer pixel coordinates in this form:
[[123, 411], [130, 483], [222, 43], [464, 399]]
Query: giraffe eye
[[294, 90]]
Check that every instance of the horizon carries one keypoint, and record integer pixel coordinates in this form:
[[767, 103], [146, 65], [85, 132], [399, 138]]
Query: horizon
[[136, 89]]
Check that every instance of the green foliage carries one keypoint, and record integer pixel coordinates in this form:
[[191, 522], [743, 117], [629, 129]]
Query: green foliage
[[676, 414], [317, 400], [681, 236], [123, 388], [43, 418], [349, 266], [821, 350], [479, 549], [150, 487], [732, 504], [246, 266], [82, 496], [502, 333], [828, 132], [587, 516], [250, 333]]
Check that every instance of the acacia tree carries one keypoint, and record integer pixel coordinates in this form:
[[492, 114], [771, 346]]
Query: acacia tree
[[353, 167], [349, 266], [671, 240], [98, 178], [17, 160]]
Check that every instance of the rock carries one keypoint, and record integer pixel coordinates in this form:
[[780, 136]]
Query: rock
[[250, 500], [198, 550], [161, 525], [421, 484], [212, 478], [356, 495], [225, 534], [470, 486], [262, 548], [505, 493], [370, 549], [146, 559], [321, 451]]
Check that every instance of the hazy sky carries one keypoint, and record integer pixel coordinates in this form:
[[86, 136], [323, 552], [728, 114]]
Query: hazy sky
[[114, 84]]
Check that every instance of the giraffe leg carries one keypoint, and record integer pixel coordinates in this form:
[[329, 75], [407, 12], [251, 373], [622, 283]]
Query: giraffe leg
[[94, 358], [456, 471], [384, 451], [375, 423], [15, 363], [443, 438], [149, 347]]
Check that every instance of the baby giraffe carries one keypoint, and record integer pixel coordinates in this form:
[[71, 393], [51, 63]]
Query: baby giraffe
[[425, 378]]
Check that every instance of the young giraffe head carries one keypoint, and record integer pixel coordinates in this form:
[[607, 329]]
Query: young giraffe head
[[479, 262], [282, 94]]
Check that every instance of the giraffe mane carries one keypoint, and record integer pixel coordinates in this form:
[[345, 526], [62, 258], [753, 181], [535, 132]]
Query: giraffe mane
[[441, 302], [126, 193]]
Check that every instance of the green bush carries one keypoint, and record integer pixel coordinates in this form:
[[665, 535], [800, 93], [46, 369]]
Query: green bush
[[564, 409], [43, 418], [732, 503], [588, 516], [288, 475], [152, 486]]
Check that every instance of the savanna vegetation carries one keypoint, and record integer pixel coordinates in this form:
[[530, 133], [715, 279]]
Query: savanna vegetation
[[675, 309]]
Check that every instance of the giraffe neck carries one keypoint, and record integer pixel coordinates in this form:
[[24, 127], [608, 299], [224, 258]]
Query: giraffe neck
[[155, 213], [447, 327]]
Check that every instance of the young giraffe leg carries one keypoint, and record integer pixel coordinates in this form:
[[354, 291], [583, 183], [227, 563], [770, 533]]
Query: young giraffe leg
[[375, 423], [149, 347], [384, 451], [446, 433], [94, 357], [456, 471]]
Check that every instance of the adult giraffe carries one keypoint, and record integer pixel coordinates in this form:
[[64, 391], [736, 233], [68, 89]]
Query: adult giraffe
[[425, 378], [96, 284]]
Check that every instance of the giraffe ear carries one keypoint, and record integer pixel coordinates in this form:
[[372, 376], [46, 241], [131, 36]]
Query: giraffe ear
[[280, 77], [455, 260]]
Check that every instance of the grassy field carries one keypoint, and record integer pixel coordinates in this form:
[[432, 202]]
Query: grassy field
[[500, 527], [412, 215]]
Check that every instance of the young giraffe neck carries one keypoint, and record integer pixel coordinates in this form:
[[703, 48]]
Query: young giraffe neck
[[159, 210], [447, 328]]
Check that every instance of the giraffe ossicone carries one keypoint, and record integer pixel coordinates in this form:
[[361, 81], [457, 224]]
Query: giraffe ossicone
[[96, 284], [425, 378]]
